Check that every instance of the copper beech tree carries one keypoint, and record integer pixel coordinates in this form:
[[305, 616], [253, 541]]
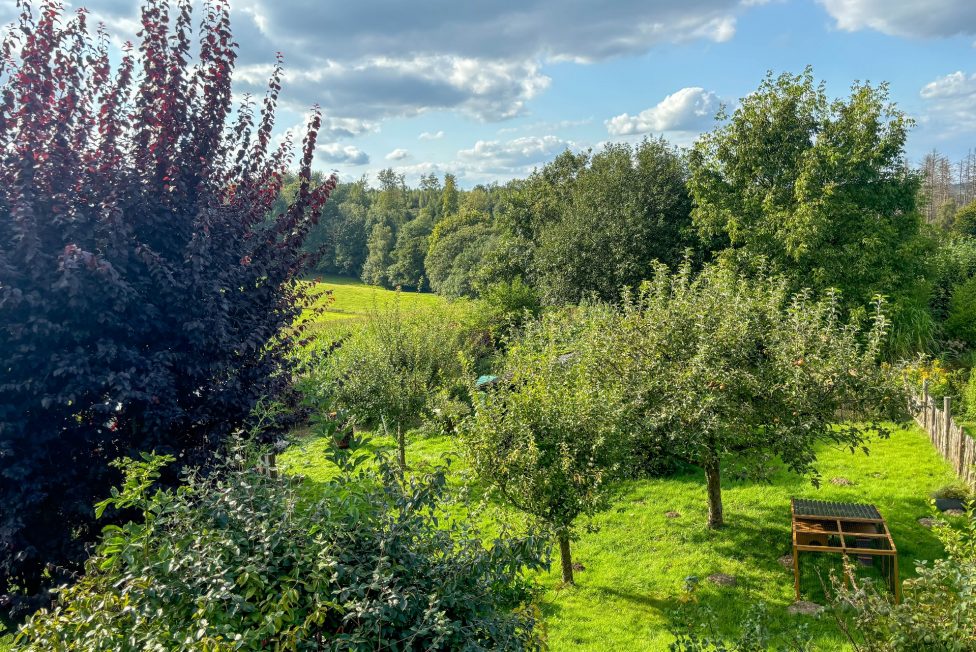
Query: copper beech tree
[[144, 275]]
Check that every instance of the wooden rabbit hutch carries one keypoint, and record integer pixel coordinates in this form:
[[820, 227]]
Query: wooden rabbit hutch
[[852, 529]]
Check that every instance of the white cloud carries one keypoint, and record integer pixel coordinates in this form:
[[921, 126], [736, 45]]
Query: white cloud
[[343, 154], [383, 60], [950, 104], [915, 18], [397, 155], [334, 128], [382, 87], [427, 135], [953, 85], [513, 156], [688, 109]]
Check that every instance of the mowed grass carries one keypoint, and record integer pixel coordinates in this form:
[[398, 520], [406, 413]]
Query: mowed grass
[[636, 564], [340, 302]]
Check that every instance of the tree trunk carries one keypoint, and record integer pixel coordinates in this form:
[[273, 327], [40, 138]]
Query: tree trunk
[[566, 557], [401, 449], [714, 481]]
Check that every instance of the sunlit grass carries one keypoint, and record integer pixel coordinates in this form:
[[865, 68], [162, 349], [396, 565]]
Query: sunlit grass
[[340, 302], [636, 564]]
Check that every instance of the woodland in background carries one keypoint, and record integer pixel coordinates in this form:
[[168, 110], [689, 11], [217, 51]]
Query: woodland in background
[[587, 224]]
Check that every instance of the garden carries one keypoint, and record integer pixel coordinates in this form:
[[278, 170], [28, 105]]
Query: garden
[[568, 412]]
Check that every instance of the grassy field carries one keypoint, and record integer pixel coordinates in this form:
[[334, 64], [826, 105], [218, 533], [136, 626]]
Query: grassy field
[[635, 566], [341, 301]]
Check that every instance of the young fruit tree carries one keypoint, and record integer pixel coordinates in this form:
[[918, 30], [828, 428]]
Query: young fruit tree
[[145, 279], [547, 436], [387, 373], [721, 370]]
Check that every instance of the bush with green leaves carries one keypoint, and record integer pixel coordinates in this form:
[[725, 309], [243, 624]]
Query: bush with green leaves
[[969, 397], [696, 630], [507, 305], [960, 323], [965, 219], [245, 560], [937, 612], [547, 437]]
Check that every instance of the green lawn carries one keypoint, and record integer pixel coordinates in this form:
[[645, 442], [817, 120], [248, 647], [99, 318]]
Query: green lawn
[[636, 564], [344, 300]]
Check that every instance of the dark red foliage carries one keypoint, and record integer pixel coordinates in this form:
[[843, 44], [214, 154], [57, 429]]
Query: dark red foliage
[[144, 280]]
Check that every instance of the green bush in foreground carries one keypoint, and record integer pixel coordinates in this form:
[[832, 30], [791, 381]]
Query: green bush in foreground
[[938, 609], [238, 561]]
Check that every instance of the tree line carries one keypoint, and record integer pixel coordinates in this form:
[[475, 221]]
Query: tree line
[[792, 182]]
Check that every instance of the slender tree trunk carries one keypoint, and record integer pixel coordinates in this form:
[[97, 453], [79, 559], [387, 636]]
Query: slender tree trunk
[[713, 479], [401, 449], [566, 557]]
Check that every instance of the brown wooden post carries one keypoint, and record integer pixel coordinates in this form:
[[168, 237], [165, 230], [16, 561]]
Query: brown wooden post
[[946, 420], [925, 407], [896, 581], [961, 457]]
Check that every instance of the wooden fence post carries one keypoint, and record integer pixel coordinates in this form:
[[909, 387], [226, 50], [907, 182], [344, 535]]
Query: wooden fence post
[[925, 407], [946, 421], [961, 452]]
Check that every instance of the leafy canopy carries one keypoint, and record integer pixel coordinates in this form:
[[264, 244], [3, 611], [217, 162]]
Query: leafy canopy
[[240, 560], [718, 366], [817, 190], [145, 275]]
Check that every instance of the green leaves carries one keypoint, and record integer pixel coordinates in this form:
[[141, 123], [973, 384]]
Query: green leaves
[[815, 190], [547, 437], [937, 611], [716, 366], [245, 561]]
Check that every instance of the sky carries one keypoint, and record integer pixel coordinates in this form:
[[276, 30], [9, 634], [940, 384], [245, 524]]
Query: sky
[[491, 89]]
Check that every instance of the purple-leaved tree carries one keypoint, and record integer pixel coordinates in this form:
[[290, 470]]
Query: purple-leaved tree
[[146, 282]]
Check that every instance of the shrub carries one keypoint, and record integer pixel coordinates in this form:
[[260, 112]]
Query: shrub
[[696, 631], [936, 612], [507, 305], [956, 490], [144, 279], [961, 321], [942, 382], [241, 561], [965, 219], [969, 397]]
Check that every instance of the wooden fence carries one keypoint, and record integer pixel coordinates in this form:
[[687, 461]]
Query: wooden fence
[[948, 437]]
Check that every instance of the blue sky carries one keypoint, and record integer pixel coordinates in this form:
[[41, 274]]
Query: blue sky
[[490, 90]]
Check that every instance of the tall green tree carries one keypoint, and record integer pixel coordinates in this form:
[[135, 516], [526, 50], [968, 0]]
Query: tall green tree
[[458, 248], [627, 208], [449, 197], [407, 265], [817, 191], [380, 257], [719, 368]]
